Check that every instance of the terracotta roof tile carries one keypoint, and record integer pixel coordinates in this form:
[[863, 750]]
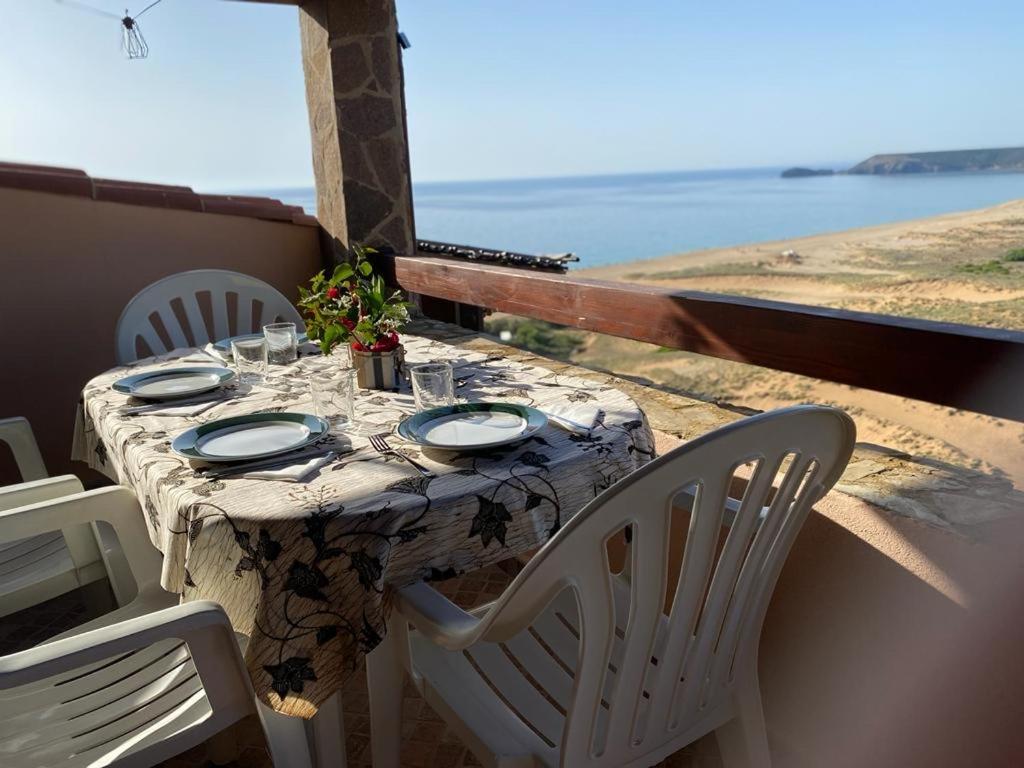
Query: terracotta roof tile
[[71, 181], [62, 181]]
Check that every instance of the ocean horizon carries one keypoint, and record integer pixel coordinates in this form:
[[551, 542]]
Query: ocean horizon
[[620, 218]]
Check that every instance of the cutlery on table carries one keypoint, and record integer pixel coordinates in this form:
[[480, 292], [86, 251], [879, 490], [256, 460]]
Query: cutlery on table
[[380, 445], [276, 462], [130, 410]]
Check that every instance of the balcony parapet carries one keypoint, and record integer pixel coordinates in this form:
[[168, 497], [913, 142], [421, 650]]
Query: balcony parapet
[[72, 181]]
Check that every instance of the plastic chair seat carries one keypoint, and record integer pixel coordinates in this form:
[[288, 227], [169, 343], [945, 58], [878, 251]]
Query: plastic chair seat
[[102, 712]]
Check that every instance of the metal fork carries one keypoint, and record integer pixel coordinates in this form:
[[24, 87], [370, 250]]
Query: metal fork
[[380, 445]]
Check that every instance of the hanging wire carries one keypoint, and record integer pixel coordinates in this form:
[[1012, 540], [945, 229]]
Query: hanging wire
[[132, 42], [155, 2], [88, 8]]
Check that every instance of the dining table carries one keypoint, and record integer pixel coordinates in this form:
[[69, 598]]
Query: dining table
[[303, 567]]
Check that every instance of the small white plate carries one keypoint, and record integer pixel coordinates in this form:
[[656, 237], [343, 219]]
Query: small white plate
[[172, 383]]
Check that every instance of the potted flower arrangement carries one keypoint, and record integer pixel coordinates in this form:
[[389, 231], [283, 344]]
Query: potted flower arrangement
[[354, 307]]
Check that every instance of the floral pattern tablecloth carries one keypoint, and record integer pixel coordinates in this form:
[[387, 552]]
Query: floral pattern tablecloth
[[301, 568]]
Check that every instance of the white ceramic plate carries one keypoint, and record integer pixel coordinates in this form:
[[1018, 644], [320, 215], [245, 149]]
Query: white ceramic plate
[[472, 426], [172, 383], [253, 436]]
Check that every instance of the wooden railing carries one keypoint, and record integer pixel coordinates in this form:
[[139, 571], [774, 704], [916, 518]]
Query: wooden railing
[[960, 366]]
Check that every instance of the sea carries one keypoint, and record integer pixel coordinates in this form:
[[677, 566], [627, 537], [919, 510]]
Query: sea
[[622, 218]]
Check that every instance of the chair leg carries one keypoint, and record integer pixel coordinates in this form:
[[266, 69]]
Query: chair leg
[[286, 738], [326, 734], [385, 675], [743, 741]]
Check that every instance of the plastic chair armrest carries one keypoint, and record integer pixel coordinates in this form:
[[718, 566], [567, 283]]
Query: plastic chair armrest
[[437, 617], [189, 622], [23, 494]]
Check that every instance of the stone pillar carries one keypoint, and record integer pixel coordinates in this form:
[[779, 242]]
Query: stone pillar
[[355, 94]]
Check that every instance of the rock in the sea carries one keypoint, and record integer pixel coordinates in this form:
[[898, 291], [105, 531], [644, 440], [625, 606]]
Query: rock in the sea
[[799, 173]]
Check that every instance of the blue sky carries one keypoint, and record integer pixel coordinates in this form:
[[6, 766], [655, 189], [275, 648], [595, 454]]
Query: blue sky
[[524, 89]]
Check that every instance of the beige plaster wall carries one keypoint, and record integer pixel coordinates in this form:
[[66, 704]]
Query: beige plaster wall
[[890, 642], [69, 266]]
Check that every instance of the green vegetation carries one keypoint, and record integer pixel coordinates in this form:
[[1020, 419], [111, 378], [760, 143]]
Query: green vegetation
[[992, 267], [547, 339], [1017, 254]]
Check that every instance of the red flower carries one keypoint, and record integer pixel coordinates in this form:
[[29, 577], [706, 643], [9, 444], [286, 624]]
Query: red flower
[[333, 292], [358, 346], [385, 343], [349, 324]]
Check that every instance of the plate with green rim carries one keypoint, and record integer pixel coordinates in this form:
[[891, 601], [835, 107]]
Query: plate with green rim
[[224, 345], [252, 436], [172, 383], [472, 426]]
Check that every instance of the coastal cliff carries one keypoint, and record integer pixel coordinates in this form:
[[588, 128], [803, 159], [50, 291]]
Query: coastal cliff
[[1010, 159], [962, 160]]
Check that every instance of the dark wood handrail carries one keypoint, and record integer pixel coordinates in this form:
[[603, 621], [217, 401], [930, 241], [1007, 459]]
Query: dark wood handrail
[[961, 366]]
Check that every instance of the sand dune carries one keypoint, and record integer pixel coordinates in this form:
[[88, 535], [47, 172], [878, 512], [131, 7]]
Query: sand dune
[[952, 267]]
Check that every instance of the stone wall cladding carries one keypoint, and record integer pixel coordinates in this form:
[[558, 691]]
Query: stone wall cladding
[[354, 92], [71, 181]]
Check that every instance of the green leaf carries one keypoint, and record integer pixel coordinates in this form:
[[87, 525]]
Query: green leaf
[[365, 268]]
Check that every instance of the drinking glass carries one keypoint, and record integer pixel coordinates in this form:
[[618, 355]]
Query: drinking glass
[[334, 398], [250, 359], [432, 385], [282, 343]]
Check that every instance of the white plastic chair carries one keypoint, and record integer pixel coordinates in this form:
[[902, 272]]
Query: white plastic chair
[[575, 665], [257, 304], [42, 567], [136, 686]]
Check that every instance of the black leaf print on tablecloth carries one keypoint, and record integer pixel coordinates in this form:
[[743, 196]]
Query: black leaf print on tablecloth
[[406, 535], [290, 675], [266, 548], [152, 514], [490, 522], [306, 581], [256, 558], [631, 425], [437, 574], [416, 485], [368, 568], [534, 459], [326, 634], [581, 396], [369, 638], [533, 500], [101, 453], [194, 529], [209, 488]]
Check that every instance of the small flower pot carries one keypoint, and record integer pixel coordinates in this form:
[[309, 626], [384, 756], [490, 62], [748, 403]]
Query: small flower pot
[[379, 370]]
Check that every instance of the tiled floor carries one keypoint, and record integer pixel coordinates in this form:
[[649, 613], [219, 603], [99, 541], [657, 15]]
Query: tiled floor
[[427, 742]]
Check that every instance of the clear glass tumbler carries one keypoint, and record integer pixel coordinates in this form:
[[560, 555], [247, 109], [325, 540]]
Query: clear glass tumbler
[[250, 359], [334, 398], [282, 343], [432, 385]]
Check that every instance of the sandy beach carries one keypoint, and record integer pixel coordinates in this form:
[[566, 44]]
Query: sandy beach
[[956, 267]]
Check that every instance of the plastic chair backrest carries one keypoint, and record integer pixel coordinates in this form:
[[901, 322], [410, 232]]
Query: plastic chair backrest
[[256, 305], [709, 637]]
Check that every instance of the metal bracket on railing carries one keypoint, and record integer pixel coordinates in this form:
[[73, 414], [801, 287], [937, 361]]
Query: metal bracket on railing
[[556, 262]]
